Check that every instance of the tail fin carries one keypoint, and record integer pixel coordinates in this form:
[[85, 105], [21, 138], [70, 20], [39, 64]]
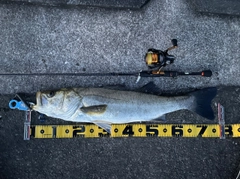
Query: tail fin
[[202, 102]]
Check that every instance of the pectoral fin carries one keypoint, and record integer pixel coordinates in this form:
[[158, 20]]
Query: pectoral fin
[[105, 126], [94, 110]]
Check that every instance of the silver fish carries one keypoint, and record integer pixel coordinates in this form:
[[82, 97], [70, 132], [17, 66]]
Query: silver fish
[[107, 106]]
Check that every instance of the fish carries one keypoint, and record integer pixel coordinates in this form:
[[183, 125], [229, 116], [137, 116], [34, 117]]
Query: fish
[[103, 106]]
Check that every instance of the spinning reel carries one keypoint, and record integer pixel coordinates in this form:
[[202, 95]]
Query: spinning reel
[[157, 59]]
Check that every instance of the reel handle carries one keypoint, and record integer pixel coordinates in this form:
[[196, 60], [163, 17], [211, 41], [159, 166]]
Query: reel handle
[[174, 42]]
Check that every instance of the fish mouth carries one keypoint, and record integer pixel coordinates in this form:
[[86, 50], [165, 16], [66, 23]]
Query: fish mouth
[[39, 98], [38, 102]]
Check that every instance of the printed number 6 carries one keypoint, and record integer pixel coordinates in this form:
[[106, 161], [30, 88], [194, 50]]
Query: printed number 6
[[176, 131]]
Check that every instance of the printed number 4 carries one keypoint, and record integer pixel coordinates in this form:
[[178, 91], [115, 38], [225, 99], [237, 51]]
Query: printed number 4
[[128, 130]]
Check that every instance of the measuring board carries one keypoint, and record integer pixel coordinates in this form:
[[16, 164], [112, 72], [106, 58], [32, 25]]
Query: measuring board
[[220, 130], [135, 130]]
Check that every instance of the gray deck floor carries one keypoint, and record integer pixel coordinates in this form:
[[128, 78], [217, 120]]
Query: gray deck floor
[[50, 39]]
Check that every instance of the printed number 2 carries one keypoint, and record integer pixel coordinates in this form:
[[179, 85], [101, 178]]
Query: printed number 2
[[81, 130], [128, 130]]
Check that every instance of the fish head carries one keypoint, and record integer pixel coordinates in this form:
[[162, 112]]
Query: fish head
[[57, 103]]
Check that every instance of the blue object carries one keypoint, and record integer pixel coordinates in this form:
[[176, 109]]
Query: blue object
[[14, 104]]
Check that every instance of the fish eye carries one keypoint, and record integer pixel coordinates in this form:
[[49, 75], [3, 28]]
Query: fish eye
[[51, 94]]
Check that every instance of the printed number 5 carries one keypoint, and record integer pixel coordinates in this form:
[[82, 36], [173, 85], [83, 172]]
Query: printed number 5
[[151, 131]]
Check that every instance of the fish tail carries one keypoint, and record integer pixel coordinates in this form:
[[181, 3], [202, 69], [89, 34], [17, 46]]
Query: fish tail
[[202, 102]]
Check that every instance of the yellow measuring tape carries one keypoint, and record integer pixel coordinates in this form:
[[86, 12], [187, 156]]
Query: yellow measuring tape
[[135, 130]]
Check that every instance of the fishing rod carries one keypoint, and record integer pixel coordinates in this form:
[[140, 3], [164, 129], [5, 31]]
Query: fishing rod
[[206, 73], [155, 60]]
